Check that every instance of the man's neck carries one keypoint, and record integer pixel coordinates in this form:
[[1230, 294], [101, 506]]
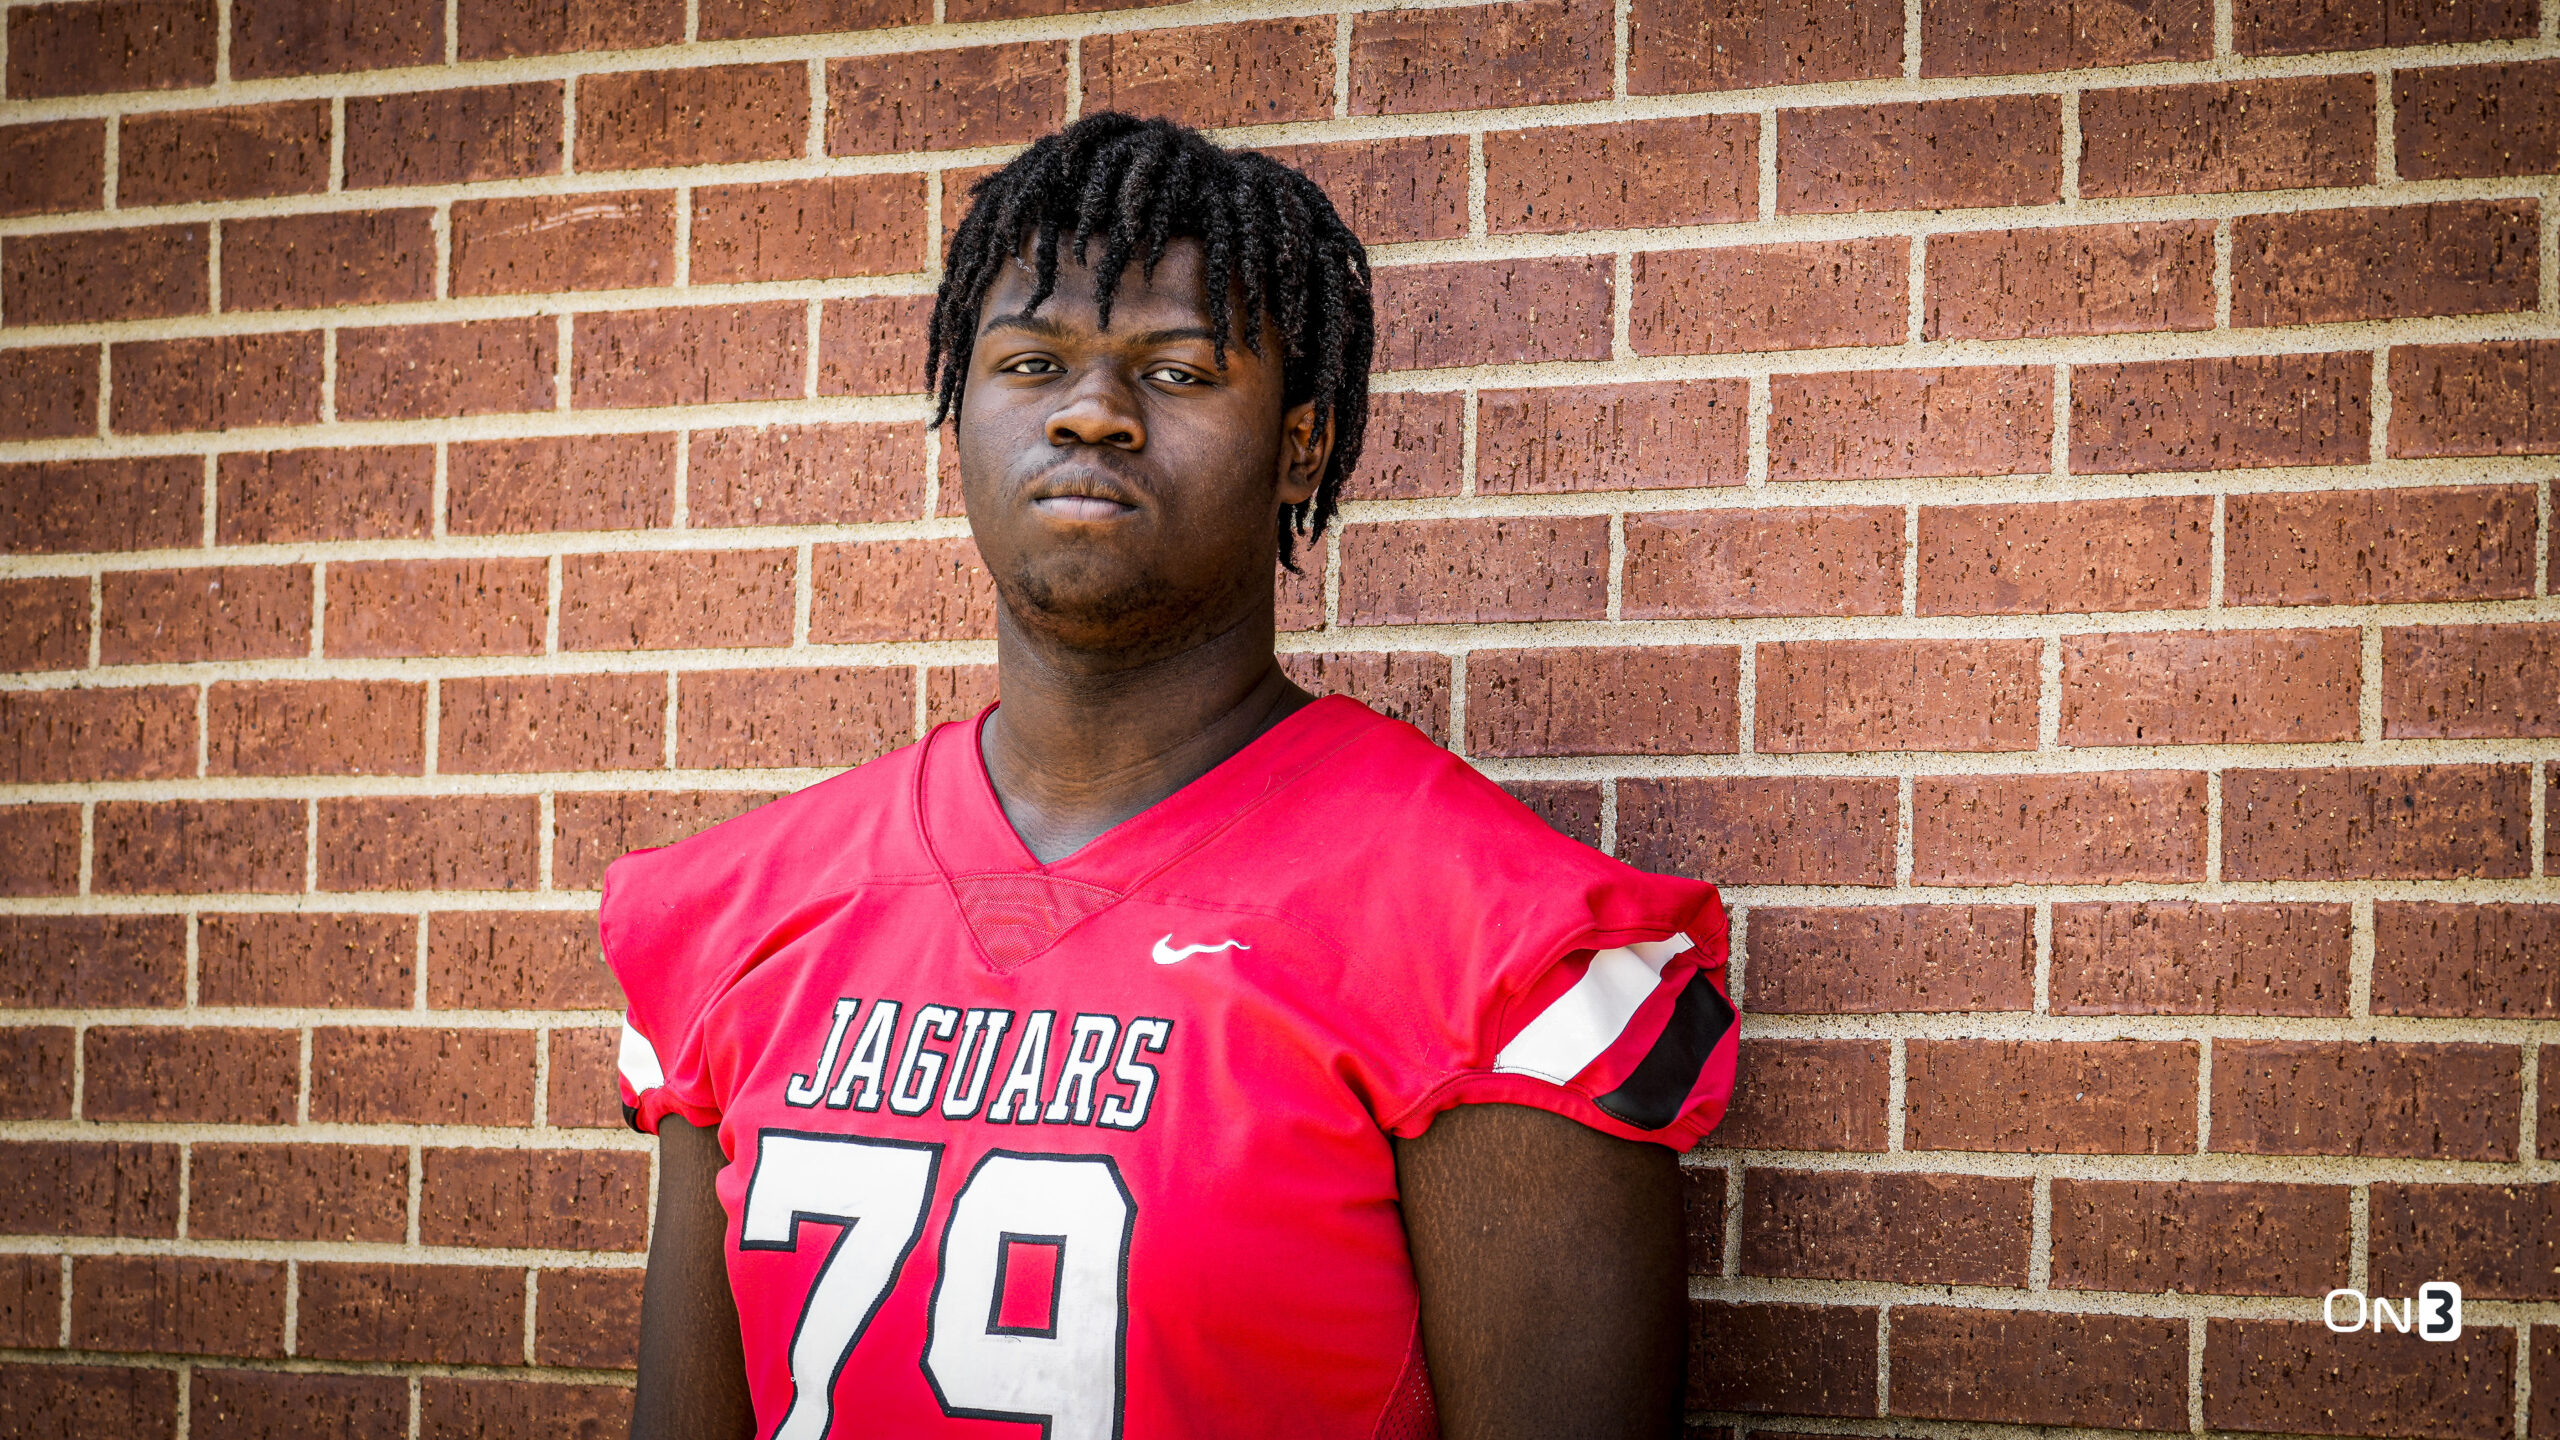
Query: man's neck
[[1077, 747]]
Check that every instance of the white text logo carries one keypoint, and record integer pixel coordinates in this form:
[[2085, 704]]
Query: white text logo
[[2437, 1311]]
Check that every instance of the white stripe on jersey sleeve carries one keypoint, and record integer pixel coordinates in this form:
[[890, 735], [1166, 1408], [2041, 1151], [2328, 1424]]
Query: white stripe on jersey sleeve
[[639, 1061], [1583, 1022]]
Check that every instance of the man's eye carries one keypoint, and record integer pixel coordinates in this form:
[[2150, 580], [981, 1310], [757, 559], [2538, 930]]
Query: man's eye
[[1173, 375], [1033, 365]]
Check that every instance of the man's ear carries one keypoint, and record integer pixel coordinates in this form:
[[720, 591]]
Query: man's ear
[[1304, 452]]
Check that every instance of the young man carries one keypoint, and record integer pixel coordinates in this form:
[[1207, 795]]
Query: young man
[[1168, 1053]]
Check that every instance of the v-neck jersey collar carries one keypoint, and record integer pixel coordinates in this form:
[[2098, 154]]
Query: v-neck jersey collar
[[965, 829]]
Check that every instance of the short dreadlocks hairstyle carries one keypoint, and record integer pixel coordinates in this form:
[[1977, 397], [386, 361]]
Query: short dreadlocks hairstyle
[[1135, 185]]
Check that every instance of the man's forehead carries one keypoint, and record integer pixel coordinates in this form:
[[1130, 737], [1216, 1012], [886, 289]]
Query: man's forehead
[[1174, 294]]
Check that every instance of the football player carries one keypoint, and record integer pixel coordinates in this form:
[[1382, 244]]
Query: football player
[[1165, 1052]]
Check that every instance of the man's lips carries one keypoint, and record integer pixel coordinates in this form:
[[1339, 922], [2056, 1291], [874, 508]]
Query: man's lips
[[1081, 507]]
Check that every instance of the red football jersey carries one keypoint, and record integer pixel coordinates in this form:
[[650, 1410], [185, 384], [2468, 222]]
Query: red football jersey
[[1102, 1145]]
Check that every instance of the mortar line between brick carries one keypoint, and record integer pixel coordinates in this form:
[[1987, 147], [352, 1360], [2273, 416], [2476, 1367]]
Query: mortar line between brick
[[419, 940], [2523, 1419], [292, 1307], [431, 734], [63, 1319], [562, 337], [2369, 697], [1897, 1094], [204, 737], [2529, 1127], [2213, 825], [1768, 164], [111, 160], [1609, 815], [1617, 567], [2040, 1233], [2058, 453], [417, 1388], [1341, 64], [2386, 151], [2222, 273], [541, 1090], [692, 21], [1476, 226], [1075, 77], [1911, 35], [329, 375], [311, 846], [88, 846], [97, 614], [2049, 695], [452, 32], [2204, 1095], [2539, 837], [551, 606], [213, 267], [2360, 957], [2543, 547], [302, 1076], [2067, 185], [183, 1413], [2359, 1233], [2042, 935], [1746, 699], [669, 758], [543, 817], [683, 204], [1911, 561], [1915, 326], [1458, 704], [1757, 405], [1622, 267], [2195, 1356], [2550, 257], [417, 1189], [1884, 1359], [221, 49], [2378, 403], [568, 78], [1470, 431], [2216, 561], [1729, 1263]]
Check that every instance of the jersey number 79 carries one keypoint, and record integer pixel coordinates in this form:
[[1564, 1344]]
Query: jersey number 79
[[1065, 1377]]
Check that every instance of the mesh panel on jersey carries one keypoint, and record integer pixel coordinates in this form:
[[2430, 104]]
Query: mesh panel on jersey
[[1411, 1413], [1016, 916]]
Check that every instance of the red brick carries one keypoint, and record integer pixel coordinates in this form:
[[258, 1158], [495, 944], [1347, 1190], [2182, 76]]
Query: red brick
[[178, 1304], [2380, 547], [2198, 1238], [2320, 1097], [1298, 604], [945, 99], [1771, 297], [1906, 1229], [321, 262], [2321, 266], [805, 475], [574, 482], [887, 590], [807, 229], [268, 497], [228, 612], [1875, 960], [30, 1303], [1780, 831], [296, 37], [1587, 700], [1807, 1095], [1257, 73], [592, 831], [677, 600], [217, 382], [706, 115], [1494, 312], [1859, 424], [196, 847], [44, 1401], [202, 1076], [2281, 1375], [35, 1084], [115, 45], [1410, 685], [56, 1187], [492, 29], [458, 843], [316, 727], [469, 367], [95, 962], [2499, 398], [583, 1091], [1572, 809], [255, 1404], [44, 623], [1435, 572], [1702, 170], [1405, 188], [452, 137], [2184, 957], [793, 718], [431, 1313], [700, 355], [1925, 155], [1530, 52], [552, 722], [2044, 1097], [2220, 687], [589, 1319], [1788, 1359], [2222, 414], [2090, 829], [587, 1200], [1412, 446], [2086, 555], [2298, 27], [2498, 1242], [299, 1192], [2477, 120], [1897, 695], [2285, 134], [141, 733], [2116, 1371], [175, 157], [960, 692], [437, 607], [2434, 958], [304, 960], [49, 392], [2405, 822], [2018, 37], [873, 345], [1844, 561], [409, 1075], [143, 272], [746, 19], [1731, 45], [39, 849], [516, 1410], [593, 240], [517, 960], [1614, 437], [52, 167], [2070, 280], [2470, 681]]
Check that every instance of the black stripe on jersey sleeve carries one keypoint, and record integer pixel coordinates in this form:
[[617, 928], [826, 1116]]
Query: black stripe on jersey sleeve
[[1653, 1095]]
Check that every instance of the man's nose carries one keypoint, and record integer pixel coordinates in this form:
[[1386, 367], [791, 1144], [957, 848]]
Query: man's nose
[[1098, 411]]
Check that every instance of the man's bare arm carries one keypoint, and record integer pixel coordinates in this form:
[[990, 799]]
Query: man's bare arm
[[693, 1371], [1554, 1293]]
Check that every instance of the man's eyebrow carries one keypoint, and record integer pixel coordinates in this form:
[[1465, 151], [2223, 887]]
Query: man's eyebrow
[[1040, 325]]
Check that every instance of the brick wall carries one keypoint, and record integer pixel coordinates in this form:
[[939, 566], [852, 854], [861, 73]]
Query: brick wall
[[2049, 504]]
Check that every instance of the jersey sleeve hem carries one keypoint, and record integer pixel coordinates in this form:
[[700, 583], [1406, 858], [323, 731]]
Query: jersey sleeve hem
[[1493, 1087]]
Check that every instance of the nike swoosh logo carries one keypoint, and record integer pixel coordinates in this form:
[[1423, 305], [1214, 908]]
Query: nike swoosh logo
[[1168, 953]]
